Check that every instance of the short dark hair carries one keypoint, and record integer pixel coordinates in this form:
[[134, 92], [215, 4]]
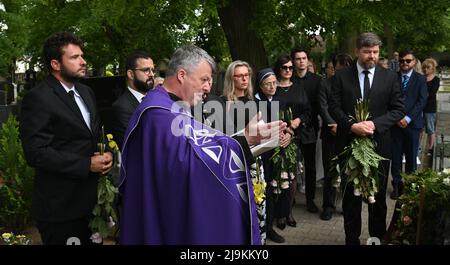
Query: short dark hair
[[368, 39], [296, 50], [130, 62], [406, 52], [54, 44], [343, 59], [280, 62]]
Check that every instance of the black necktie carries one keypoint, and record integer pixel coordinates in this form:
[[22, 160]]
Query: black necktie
[[72, 96], [366, 84]]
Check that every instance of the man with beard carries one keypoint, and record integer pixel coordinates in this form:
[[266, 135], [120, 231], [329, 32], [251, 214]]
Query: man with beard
[[59, 129], [381, 88], [140, 79]]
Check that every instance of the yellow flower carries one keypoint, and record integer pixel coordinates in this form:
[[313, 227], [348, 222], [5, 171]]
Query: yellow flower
[[111, 143], [6, 236], [259, 188]]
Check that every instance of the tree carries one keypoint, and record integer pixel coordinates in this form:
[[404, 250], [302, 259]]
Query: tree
[[245, 44], [13, 34]]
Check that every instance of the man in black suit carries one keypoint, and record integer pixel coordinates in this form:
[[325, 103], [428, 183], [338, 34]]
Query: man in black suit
[[406, 133], [59, 129], [381, 88], [311, 83], [140, 79], [328, 135]]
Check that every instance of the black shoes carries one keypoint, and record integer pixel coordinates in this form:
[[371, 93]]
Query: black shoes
[[281, 223], [327, 214], [394, 193], [291, 222], [274, 236], [397, 190], [311, 207]]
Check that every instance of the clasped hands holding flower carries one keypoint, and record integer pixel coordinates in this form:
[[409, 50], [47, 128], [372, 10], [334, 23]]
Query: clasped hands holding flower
[[363, 128], [101, 163]]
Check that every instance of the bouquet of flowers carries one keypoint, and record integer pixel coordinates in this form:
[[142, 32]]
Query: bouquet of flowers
[[359, 160], [259, 192], [425, 209], [259, 185], [12, 239], [284, 160], [104, 214]]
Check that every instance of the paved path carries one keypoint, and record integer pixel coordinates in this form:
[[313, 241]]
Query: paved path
[[311, 230]]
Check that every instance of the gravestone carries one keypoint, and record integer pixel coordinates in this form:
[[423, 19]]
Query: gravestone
[[107, 89]]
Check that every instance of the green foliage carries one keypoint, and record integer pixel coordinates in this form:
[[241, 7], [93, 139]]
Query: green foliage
[[104, 214], [284, 159], [360, 160], [14, 28], [435, 189], [16, 179]]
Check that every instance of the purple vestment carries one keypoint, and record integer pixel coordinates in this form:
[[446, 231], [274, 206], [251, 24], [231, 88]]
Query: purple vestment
[[189, 189]]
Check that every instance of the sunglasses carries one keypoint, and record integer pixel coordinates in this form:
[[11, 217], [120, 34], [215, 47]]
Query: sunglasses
[[405, 60], [286, 68]]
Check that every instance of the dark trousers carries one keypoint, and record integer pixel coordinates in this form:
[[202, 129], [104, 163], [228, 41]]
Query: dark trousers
[[404, 141], [352, 205], [328, 153], [57, 233], [309, 155]]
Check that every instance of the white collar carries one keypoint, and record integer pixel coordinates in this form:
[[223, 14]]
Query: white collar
[[138, 95], [70, 88]]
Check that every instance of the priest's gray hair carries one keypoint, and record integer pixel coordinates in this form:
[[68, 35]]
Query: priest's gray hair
[[188, 58], [368, 39]]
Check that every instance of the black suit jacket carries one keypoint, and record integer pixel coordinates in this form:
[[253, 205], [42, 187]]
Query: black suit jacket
[[58, 144], [311, 83], [415, 95], [386, 105], [122, 110]]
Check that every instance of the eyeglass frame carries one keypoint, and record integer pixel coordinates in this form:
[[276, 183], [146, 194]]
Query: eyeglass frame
[[408, 61], [240, 76], [266, 84], [146, 70]]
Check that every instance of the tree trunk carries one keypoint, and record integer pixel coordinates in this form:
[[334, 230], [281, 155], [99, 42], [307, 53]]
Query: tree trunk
[[235, 18], [389, 40]]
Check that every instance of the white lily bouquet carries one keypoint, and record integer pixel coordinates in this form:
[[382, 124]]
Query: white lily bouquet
[[284, 160], [359, 159]]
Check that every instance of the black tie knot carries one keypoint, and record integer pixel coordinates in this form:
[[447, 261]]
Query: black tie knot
[[366, 72], [72, 94]]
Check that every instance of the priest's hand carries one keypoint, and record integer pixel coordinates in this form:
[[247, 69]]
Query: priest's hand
[[257, 130]]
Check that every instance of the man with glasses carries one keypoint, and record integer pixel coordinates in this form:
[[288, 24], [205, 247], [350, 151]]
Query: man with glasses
[[406, 133], [140, 79], [184, 183]]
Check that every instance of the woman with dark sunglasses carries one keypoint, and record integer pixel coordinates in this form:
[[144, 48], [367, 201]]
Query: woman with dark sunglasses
[[297, 100]]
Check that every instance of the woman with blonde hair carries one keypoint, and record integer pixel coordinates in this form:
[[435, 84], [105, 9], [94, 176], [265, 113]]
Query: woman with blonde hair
[[238, 87], [429, 112], [238, 82]]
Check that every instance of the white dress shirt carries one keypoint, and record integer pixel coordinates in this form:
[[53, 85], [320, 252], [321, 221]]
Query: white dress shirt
[[81, 105], [361, 76]]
